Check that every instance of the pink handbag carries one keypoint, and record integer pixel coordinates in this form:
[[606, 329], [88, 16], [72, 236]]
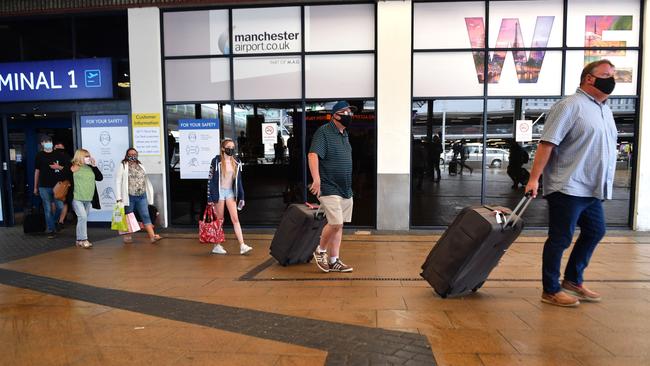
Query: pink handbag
[[131, 223], [211, 228]]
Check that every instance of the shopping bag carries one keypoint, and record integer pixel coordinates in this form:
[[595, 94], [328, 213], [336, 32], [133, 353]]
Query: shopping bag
[[118, 221], [131, 224], [211, 228]]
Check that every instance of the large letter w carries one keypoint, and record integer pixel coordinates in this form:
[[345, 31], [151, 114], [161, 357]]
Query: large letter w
[[528, 67]]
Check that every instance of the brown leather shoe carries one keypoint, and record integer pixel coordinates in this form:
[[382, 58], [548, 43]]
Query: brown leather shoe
[[580, 291], [560, 299]]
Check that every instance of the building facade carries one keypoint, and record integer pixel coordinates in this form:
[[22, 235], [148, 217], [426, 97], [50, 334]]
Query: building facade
[[478, 74]]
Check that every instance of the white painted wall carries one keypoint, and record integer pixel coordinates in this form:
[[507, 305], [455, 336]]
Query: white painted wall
[[394, 87], [147, 88], [641, 219]]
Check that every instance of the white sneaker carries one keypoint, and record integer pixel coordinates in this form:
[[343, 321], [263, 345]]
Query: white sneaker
[[243, 249], [87, 244], [218, 249]]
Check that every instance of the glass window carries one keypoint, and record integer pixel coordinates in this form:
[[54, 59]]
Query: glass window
[[188, 196], [603, 23], [273, 171], [448, 74], [190, 33], [540, 25], [626, 63], [524, 73], [363, 139], [447, 138], [444, 25], [197, 79], [266, 30], [358, 33], [272, 77], [325, 78]]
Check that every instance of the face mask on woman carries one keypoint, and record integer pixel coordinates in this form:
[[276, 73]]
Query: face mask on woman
[[229, 151]]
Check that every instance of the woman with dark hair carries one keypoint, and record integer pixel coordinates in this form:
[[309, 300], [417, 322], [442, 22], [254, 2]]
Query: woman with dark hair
[[134, 190], [226, 190]]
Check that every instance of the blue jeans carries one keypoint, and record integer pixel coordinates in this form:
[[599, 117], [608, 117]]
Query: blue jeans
[[51, 218], [140, 204], [81, 208], [565, 212]]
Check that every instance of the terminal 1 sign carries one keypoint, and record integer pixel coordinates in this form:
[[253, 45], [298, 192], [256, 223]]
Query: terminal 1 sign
[[56, 80]]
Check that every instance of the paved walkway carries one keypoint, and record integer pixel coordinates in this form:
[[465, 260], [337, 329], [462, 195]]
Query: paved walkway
[[174, 304]]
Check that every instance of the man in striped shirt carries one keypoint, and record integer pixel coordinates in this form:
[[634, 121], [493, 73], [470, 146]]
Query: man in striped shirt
[[577, 154], [330, 164]]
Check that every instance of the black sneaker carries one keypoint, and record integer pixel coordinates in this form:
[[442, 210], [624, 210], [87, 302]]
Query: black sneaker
[[59, 227], [51, 235], [339, 266]]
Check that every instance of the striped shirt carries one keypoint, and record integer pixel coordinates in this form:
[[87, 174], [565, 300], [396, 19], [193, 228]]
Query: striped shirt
[[583, 161], [334, 160]]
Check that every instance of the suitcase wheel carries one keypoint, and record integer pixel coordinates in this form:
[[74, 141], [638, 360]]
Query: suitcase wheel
[[478, 286]]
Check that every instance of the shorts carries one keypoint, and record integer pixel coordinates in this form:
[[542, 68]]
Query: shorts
[[337, 209], [225, 193]]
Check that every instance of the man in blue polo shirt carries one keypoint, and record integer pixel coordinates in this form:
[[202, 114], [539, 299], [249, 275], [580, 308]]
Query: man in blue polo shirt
[[577, 154], [330, 164]]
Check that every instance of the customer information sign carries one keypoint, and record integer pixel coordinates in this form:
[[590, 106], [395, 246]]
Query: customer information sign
[[56, 80]]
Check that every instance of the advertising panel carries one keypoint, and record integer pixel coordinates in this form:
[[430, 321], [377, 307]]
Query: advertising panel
[[198, 144], [266, 30], [146, 133], [106, 138], [56, 80]]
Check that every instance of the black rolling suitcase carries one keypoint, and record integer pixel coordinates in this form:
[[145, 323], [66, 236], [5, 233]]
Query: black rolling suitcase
[[453, 167], [298, 234], [471, 247], [34, 222]]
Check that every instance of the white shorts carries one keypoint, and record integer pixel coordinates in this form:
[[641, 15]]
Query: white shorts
[[337, 209]]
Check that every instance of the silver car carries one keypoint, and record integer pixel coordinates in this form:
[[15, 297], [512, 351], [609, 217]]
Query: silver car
[[495, 158]]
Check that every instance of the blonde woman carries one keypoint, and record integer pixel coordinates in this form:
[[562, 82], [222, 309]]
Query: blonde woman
[[84, 192], [134, 190], [225, 189]]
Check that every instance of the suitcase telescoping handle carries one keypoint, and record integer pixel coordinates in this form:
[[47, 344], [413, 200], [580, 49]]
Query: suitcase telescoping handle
[[318, 215], [519, 210]]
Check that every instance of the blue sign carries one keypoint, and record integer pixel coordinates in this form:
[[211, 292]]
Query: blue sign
[[198, 124], [90, 78], [105, 121]]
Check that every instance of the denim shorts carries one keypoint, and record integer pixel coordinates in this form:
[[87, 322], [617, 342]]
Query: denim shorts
[[225, 193]]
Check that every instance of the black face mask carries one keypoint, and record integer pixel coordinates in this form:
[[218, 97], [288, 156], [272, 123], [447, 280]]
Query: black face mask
[[605, 85], [229, 151], [345, 119]]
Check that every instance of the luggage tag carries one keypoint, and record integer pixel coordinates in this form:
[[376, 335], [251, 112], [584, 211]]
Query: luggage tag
[[500, 217]]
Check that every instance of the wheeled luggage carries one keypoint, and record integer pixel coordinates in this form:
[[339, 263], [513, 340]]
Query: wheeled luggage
[[524, 176], [298, 234], [471, 247], [34, 221], [453, 167]]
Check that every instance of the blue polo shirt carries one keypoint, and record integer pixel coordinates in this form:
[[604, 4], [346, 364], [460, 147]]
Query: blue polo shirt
[[583, 161], [334, 160]]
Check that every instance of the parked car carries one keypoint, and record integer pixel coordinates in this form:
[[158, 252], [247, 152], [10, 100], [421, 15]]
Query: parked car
[[495, 158]]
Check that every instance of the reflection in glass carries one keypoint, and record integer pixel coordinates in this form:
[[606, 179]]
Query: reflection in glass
[[437, 198], [188, 196], [363, 139]]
